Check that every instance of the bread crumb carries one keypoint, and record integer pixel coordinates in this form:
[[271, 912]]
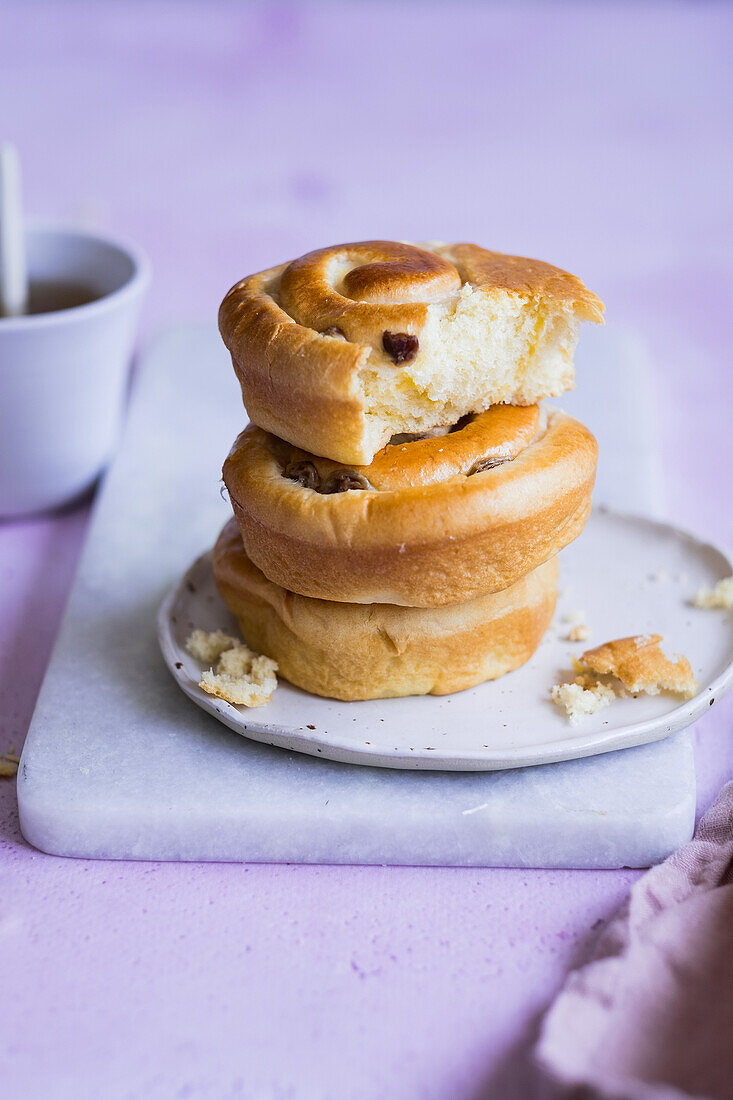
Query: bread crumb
[[579, 633], [208, 648], [8, 765], [636, 663], [574, 617], [720, 595], [640, 665], [582, 699], [240, 676]]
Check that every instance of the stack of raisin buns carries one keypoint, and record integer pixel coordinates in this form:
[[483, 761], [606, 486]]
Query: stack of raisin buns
[[400, 496]]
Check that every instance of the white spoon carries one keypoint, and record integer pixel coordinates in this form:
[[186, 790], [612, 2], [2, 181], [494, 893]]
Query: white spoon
[[13, 273]]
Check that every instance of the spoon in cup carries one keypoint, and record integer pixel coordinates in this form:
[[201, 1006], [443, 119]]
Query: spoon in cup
[[13, 272]]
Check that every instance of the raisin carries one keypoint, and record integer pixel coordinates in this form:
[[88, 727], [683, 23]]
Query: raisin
[[486, 464], [304, 473], [401, 347], [463, 422], [340, 481]]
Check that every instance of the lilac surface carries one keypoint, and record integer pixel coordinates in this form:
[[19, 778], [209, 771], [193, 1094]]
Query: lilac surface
[[224, 138], [672, 944]]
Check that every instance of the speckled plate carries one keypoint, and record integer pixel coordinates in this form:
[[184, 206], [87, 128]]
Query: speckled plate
[[629, 575]]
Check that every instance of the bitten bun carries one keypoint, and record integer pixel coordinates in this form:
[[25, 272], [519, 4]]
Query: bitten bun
[[430, 522], [349, 651], [347, 346]]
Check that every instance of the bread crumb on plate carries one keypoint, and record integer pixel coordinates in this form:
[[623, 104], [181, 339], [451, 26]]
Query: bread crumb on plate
[[579, 701], [640, 665], [632, 665], [719, 596], [575, 616], [208, 647], [578, 633], [237, 674]]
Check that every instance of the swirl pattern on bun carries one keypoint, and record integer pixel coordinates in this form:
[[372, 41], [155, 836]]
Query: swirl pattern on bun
[[347, 346], [429, 522]]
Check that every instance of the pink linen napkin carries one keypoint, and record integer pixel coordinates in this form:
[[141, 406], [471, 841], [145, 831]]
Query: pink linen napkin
[[651, 1017]]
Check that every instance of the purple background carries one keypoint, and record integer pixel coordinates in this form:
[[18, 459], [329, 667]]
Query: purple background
[[224, 138]]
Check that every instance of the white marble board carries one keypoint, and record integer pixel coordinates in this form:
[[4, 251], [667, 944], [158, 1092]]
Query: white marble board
[[119, 764]]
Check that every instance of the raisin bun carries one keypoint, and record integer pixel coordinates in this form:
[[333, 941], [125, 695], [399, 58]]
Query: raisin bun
[[429, 522], [347, 346], [349, 651]]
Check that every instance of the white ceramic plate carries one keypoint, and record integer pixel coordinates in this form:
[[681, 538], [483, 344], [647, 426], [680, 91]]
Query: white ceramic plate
[[628, 574]]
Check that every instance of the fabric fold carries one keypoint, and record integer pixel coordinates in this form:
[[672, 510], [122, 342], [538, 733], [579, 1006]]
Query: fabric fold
[[651, 1016]]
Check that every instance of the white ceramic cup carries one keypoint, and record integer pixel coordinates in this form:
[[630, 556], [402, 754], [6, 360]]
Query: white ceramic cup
[[63, 375]]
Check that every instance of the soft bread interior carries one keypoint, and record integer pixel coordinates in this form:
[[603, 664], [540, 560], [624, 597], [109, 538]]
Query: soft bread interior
[[482, 348]]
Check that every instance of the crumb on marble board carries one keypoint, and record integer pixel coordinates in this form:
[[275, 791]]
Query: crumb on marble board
[[8, 765]]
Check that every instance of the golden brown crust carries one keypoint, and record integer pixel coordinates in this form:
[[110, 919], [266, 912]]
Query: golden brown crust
[[306, 385], [423, 545], [497, 435], [352, 651], [640, 665], [389, 287], [520, 275], [289, 373]]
